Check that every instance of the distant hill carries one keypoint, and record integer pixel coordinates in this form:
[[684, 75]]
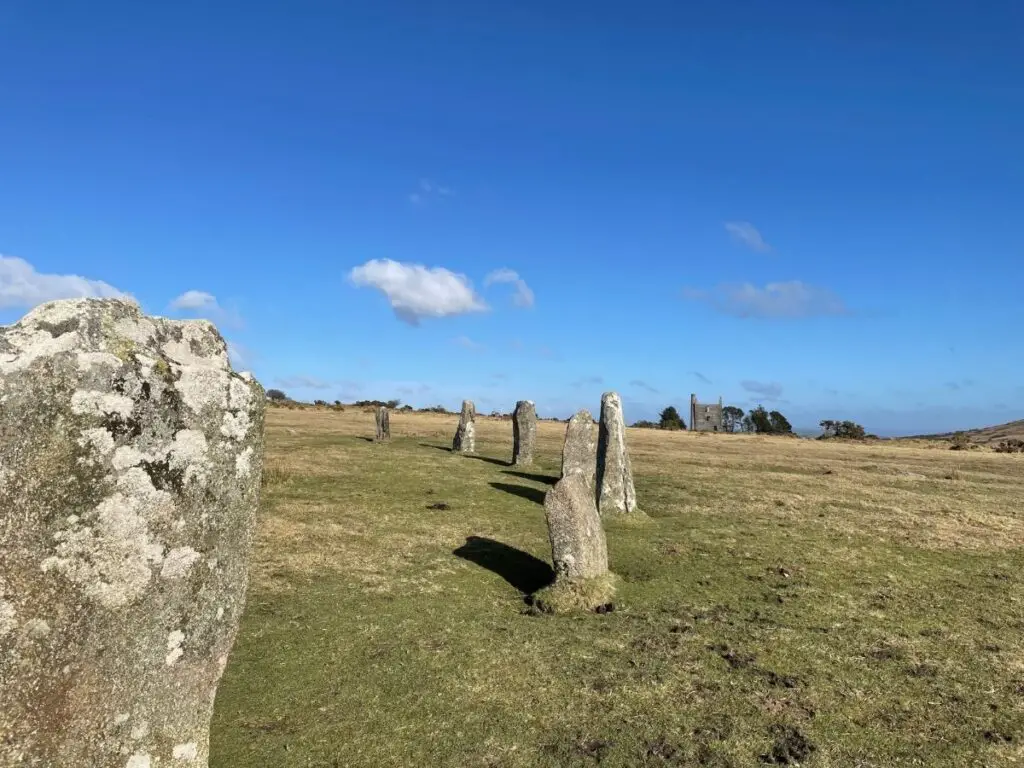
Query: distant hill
[[983, 436]]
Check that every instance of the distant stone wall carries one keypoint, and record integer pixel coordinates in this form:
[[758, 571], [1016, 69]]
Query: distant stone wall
[[705, 417]]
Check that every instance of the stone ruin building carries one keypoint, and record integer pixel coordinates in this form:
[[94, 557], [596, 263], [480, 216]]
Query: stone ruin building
[[705, 417]]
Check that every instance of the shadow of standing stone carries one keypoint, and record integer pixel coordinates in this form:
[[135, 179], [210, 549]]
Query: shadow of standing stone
[[131, 459]]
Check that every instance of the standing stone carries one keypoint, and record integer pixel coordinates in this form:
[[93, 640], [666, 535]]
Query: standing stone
[[524, 432], [383, 424], [579, 453], [130, 464], [465, 435], [615, 491], [578, 547]]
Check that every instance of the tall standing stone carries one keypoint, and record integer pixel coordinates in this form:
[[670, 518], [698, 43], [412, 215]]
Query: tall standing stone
[[615, 491], [524, 432], [579, 452], [383, 424], [130, 466], [578, 548], [465, 434]]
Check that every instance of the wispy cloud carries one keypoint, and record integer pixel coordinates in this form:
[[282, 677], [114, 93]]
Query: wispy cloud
[[588, 381], [304, 382], [467, 343], [205, 305], [22, 286], [640, 384], [792, 299], [411, 390], [747, 234], [343, 389], [523, 296], [767, 391], [427, 190], [700, 377], [416, 292]]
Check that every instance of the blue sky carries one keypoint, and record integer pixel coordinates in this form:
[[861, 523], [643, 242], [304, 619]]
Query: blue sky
[[811, 206]]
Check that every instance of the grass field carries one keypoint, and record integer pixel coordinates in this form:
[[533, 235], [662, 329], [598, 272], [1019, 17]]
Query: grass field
[[781, 602]]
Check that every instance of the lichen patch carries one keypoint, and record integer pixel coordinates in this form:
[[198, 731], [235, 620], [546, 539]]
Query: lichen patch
[[235, 425], [178, 562], [185, 752], [93, 403], [174, 649]]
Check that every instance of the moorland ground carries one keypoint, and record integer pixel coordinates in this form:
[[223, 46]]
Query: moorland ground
[[781, 601]]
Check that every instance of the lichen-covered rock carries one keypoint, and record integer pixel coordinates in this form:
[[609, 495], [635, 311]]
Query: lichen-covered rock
[[524, 432], [383, 424], [615, 491], [465, 434], [579, 452], [130, 466], [578, 548]]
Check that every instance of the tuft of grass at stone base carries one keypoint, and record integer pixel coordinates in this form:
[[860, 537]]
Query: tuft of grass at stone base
[[783, 600], [579, 595]]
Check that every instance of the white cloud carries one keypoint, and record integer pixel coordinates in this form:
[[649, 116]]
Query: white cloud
[[467, 343], [789, 299], [416, 292], [746, 233], [427, 190], [205, 305], [22, 286], [523, 297], [196, 301]]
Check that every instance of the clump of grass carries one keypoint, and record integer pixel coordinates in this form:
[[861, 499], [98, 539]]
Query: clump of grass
[[954, 474], [566, 596]]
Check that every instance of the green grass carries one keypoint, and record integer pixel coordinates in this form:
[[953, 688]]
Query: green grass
[[766, 612]]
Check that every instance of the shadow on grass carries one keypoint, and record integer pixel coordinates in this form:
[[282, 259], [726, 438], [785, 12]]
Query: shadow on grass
[[367, 439], [532, 476], [535, 495], [520, 569], [488, 459], [445, 448]]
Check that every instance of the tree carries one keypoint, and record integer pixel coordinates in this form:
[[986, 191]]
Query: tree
[[392, 404], [645, 425], [670, 419], [732, 417], [767, 423], [780, 424], [845, 430], [747, 424], [760, 420], [276, 395]]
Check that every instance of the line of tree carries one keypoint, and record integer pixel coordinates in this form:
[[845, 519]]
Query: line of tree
[[833, 429]]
